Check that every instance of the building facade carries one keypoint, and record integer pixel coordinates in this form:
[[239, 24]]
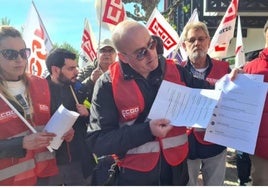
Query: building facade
[[253, 15]]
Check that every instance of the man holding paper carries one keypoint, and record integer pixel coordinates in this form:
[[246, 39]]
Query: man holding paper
[[148, 152], [72, 156], [205, 156]]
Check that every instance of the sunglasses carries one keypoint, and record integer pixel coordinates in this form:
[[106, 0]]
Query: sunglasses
[[11, 54], [141, 53]]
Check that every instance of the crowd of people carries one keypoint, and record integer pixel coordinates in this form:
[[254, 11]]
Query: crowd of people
[[113, 142]]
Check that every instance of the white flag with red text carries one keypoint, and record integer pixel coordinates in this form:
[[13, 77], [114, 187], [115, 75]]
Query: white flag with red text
[[158, 25], [224, 33], [88, 47], [36, 38], [240, 59], [110, 13]]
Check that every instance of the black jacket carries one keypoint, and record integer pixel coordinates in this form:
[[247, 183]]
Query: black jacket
[[108, 138], [77, 149], [13, 147]]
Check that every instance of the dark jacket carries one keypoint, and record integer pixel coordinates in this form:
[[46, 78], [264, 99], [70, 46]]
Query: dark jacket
[[13, 147], [76, 150], [86, 71], [111, 139], [84, 78]]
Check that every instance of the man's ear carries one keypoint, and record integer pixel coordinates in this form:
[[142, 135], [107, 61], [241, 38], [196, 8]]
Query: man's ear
[[55, 70], [123, 57]]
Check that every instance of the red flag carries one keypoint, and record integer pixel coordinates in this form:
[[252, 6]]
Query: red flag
[[224, 33], [88, 46], [36, 38], [110, 12]]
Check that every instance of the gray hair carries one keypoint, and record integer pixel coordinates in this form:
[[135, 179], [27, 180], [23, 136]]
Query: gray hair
[[196, 26]]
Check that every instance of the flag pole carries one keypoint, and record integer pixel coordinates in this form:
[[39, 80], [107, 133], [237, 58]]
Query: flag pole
[[39, 17], [75, 98], [98, 53]]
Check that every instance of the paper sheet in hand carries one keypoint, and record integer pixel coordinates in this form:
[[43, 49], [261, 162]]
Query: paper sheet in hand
[[237, 118], [184, 106], [61, 121]]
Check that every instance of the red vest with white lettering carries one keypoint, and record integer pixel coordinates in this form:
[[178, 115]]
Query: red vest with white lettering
[[130, 103], [36, 163], [218, 70]]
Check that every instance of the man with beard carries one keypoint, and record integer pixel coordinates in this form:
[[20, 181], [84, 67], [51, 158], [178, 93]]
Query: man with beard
[[207, 157], [73, 158]]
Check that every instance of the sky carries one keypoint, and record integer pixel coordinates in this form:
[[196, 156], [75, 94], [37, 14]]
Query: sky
[[63, 19]]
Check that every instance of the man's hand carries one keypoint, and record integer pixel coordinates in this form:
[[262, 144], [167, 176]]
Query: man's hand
[[235, 71], [96, 73], [37, 140], [69, 135], [82, 110], [160, 127]]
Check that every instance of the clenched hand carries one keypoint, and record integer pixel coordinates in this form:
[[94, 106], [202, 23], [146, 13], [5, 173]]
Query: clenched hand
[[160, 127]]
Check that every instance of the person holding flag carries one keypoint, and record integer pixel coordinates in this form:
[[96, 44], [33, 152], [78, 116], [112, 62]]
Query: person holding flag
[[208, 157], [24, 101], [88, 75], [73, 158], [106, 56]]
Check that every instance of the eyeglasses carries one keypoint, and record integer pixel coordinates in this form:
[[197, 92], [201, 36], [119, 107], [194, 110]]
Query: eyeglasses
[[199, 39], [141, 53], [11, 54]]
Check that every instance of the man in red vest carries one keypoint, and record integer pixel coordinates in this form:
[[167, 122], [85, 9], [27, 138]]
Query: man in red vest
[[259, 160], [208, 157], [141, 151]]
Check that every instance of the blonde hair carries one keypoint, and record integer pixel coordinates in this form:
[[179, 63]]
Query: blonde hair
[[5, 32]]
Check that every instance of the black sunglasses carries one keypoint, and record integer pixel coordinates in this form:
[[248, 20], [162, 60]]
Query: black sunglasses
[[11, 54], [143, 51]]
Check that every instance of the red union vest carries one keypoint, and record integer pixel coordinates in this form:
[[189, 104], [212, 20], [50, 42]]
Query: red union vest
[[219, 69], [260, 66], [130, 103], [36, 163]]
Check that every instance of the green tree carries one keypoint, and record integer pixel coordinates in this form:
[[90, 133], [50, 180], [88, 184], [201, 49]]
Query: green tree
[[67, 46], [142, 9], [5, 21]]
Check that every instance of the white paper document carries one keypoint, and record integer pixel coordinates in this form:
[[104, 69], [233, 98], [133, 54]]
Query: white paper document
[[184, 106], [61, 122], [236, 120]]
